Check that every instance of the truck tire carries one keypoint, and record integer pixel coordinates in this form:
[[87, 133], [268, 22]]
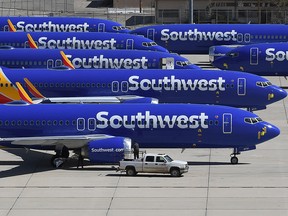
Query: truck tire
[[130, 171], [175, 172]]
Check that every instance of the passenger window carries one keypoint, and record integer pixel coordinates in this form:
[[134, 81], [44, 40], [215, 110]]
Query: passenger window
[[150, 159], [160, 159]]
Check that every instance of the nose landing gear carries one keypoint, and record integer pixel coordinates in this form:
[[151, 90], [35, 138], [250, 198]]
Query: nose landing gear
[[234, 158]]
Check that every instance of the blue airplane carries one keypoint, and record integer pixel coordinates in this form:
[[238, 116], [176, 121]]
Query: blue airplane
[[104, 132], [197, 38], [73, 58], [59, 24], [168, 86], [265, 59], [77, 40]]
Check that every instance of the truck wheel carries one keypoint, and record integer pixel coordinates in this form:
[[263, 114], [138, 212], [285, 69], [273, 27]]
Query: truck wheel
[[130, 171], [175, 172]]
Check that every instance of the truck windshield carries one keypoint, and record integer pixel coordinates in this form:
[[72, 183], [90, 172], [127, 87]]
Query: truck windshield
[[168, 159]]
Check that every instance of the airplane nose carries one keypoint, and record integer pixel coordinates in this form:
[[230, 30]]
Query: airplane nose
[[277, 94], [268, 132], [273, 131]]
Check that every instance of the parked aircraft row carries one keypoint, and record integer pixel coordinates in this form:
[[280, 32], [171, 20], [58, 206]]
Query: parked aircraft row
[[94, 129], [179, 38]]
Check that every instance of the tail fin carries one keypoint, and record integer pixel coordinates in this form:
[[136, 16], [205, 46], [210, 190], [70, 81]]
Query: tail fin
[[31, 41], [66, 61], [32, 89], [11, 26], [23, 94]]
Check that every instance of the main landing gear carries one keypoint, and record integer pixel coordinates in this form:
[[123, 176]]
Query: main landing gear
[[234, 158], [62, 153]]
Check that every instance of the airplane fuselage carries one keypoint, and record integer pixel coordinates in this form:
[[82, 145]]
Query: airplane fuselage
[[114, 59], [78, 40], [152, 126], [197, 38], [168, 86], [61, 24]]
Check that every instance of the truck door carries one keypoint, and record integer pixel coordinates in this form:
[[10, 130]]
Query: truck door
[[149, 164], [160, 164], [254, 56], [167, 63]]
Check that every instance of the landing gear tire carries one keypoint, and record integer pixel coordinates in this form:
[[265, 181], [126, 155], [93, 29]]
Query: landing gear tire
[[234, 160], [62, 153], [57, 161]]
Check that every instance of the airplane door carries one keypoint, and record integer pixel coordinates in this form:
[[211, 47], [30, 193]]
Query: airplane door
[[129, 44], [58, 63], [101, 27], [115, 86], [241, 86], [124, 86], [26, 45], [254, 56], [50, 63], [239, 37], [6, 28], [91, 124], [80, 124], [150, 34], [167, 63], [227, 123], [247, 38]]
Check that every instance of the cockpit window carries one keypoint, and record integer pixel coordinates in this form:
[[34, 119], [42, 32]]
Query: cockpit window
[[252, 120], [263, 84], [232, 54], [149, 44], [118, 28], [183, 63]]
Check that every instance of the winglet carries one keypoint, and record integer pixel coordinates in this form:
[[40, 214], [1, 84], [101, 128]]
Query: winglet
[[32, 89], [23, 94], [11, 26], [31, 41], [66, 61]]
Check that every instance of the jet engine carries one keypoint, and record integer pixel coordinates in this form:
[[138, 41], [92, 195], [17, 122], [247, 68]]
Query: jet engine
[[107, 151]]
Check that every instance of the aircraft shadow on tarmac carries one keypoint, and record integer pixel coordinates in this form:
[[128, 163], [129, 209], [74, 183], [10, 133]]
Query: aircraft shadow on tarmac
[[39, 161]]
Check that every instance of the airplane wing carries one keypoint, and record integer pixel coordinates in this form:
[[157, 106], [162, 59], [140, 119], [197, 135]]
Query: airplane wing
[[100, 99], [72, 142]]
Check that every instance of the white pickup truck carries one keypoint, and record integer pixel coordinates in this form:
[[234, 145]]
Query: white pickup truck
[[153, 163]]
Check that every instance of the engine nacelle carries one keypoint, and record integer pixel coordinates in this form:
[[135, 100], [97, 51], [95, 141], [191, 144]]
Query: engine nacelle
[[108, 150]]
